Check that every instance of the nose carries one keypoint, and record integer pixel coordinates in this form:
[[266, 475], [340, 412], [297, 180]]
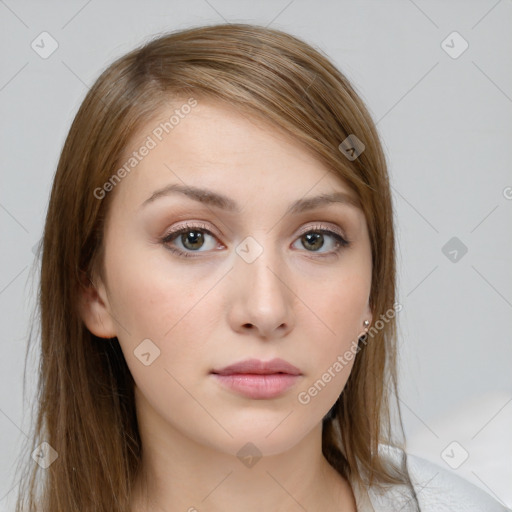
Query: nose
[[262, 296]]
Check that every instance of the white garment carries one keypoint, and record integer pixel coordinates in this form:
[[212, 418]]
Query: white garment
[[437, 490]]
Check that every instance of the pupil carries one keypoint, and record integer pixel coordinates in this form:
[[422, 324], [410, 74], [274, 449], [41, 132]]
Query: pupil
[[315, 237], [192, 236]]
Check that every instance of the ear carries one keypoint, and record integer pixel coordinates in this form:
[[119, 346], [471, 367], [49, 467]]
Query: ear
[[95, 309]]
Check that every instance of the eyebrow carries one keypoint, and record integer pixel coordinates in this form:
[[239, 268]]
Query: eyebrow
[[211, 198]]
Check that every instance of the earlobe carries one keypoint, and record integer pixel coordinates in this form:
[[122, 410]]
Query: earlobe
[[95, 310], [369, 314]]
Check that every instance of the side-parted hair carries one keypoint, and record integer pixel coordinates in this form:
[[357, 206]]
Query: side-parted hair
[[85, 400]]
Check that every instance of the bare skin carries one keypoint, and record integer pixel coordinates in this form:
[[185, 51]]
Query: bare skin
[[300, 299]]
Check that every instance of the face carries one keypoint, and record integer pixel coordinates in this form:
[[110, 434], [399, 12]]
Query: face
[[214, 254]]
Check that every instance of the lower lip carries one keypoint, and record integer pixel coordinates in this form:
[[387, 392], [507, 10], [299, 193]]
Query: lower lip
[[258, 386]]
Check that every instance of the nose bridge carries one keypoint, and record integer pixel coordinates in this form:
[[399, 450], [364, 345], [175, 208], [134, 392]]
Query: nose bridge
[[260, 273]]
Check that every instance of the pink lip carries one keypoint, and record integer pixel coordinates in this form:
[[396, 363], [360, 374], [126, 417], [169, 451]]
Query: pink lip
[[256, 366], [258, 379]]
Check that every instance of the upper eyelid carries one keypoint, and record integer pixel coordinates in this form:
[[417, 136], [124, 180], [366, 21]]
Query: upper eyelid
[[326, 227], [191, 225]]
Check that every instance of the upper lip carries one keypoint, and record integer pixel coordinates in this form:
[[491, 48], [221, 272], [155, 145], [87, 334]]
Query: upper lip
[[256, 366]]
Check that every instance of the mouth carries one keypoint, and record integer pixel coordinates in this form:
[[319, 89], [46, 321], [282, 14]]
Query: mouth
[[257, 379], [258, 367]]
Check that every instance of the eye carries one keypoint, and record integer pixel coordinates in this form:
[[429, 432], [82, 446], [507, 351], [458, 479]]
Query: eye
[[190, 238], [314, 239]]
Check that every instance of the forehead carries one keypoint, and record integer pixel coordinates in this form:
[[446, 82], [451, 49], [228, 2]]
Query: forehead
[[212, 144]]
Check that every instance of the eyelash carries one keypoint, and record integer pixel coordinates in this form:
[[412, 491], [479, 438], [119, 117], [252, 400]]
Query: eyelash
[[341, 242]]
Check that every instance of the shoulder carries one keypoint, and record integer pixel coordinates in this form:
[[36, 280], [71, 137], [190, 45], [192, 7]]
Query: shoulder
[[440, 490]]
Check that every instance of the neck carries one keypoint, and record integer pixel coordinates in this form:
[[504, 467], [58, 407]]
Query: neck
[[179, 474]]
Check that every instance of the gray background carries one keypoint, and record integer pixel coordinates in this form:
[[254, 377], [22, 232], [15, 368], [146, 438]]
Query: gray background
[[446, 125]]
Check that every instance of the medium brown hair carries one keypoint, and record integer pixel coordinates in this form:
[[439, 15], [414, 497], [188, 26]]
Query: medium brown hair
[[85, 400]]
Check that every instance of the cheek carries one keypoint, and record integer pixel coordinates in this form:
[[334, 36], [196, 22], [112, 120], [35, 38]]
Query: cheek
[[148, 293], [339, 309], [341, 305], [152, 300], [167, 320]]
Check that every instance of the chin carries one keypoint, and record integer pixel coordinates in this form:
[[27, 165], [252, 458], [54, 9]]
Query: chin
[[266, 438]]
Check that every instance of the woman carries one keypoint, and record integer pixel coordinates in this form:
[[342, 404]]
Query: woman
[[218, 290]]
